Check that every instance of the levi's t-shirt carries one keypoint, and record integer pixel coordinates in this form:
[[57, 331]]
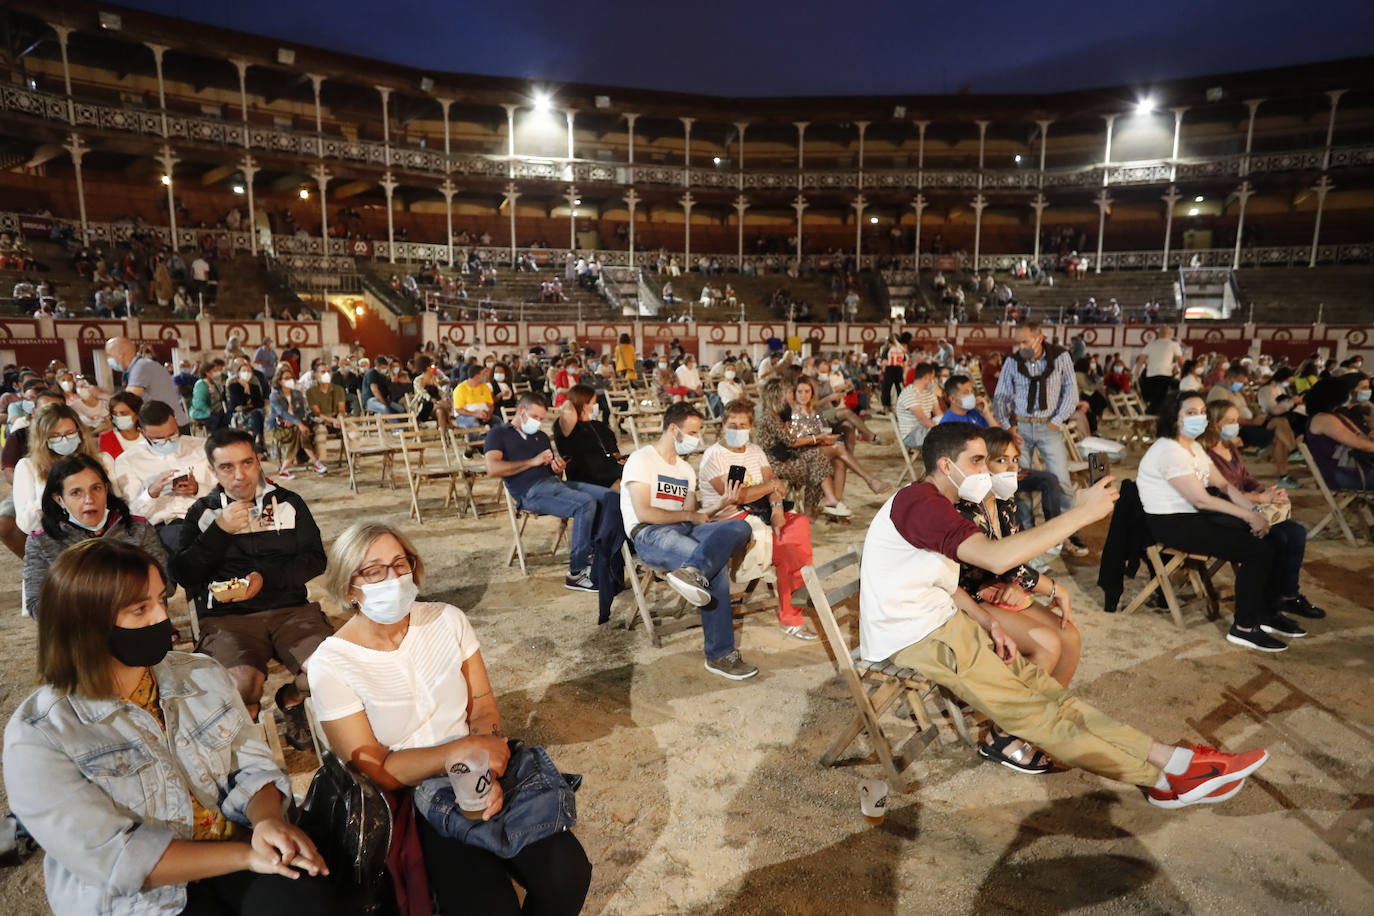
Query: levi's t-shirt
[[669, 484]]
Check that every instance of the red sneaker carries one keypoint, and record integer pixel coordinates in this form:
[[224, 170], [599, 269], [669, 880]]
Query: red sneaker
[[1209, 770], [1163, 798]]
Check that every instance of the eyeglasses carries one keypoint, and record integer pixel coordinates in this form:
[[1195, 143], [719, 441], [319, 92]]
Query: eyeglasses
[[378, 571], [159, 443]]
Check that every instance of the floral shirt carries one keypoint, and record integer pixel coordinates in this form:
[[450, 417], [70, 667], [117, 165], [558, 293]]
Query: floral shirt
[[974, 578]]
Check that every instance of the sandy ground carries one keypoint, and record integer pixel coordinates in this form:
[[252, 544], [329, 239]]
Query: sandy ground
[[705, 796]]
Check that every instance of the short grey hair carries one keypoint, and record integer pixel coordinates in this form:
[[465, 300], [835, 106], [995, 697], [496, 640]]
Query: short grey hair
[[348, 552]]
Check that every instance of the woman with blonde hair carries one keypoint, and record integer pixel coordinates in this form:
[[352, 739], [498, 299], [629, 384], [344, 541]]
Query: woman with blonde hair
[[809, 473], [286, 421], [402, 693], [56, 432]]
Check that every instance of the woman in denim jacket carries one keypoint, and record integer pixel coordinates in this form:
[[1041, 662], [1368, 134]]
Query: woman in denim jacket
[[138, 770]]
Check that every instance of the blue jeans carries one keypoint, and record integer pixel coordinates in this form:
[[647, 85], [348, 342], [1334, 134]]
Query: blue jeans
[[1053, 451], [377, 405], [708, 548], [575, 500], [1051, 498]]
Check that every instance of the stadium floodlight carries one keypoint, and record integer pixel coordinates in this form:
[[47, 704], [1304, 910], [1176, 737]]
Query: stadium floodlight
[[1197, 199], [873, 220], [1145, 106], [542, 102], [1018, 158], [238, 189], [1192, 211], [304, 193], [716, 160]]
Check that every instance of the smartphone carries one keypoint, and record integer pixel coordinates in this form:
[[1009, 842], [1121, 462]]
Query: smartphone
[[735, 474], [1097, 467]]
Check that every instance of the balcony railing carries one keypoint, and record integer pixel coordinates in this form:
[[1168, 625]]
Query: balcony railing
[[236, 135]]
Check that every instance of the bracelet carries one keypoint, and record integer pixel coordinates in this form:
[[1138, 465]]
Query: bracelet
[[1054, 589]]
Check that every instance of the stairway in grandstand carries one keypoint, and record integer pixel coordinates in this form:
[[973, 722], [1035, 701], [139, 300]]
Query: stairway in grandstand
[[756, 293], [1286, 295]]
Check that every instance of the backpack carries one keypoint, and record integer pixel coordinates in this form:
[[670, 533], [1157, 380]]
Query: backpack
[[349, 820]]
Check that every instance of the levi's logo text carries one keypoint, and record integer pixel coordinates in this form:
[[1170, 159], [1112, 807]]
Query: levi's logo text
[[671, 490]]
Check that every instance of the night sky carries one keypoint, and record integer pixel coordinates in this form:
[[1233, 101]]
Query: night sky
[[753, 48]]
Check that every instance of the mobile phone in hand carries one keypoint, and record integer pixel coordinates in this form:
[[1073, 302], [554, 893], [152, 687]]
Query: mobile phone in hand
[[735, 474], [1097, 467]]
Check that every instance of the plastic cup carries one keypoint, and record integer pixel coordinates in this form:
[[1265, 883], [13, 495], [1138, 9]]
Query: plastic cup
[[470, 776], [873, 800]]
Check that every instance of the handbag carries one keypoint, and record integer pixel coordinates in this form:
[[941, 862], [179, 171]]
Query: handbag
[[349, 820]]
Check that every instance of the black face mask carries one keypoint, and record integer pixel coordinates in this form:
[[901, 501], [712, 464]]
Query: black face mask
[[141, 647]]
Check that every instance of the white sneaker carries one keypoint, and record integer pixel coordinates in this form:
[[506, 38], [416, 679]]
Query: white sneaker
[[839, 510]]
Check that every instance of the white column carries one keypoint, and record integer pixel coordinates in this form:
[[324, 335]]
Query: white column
[[512, 195], [632, 201], [863, 129], [630, 118], [389, 188], [859, 203], [571, 196], [242, 67], [686, 150], [1044, 139], [979, 203], [78, 149], [158, 51], [919, 205], [250, 168], [1322, 186], [801, 156], [448, 190], [1107, 152], [322, 176], [799, 204], [1244, 192], [571, 114], [510, 150], [741, 204], [1038, 204], [168, 159], [740, 127], [921, 153], [316, 81], [982, 145], [1178, 131], [1103, 202], [62, 33], [687, 201], [1335, 96], [1170, 200], [444, 104], [385, 92]]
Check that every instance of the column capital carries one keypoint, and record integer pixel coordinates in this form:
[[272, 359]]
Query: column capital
[[512, 192], [388, 183], [249, 166], [1038, 202], [1044, 125], [1245, 191], [444, 104], [982, 126], [447, 189], [1323, 183], [979, 203], [511, 108], [321, 176], [1103, 200], [570, 113], [168, 158], [1172, 197], [571, 195], [687, 123], [385, 92], [630, 116], [801, 126], [240, 65], [62, 31], [862, 126], [631, 199], [799, 203], [918, 203], [741, 126], [921, 126], [77, 147], [859, 203], [1109, 118], [687, 201], [1335, 95], [741, 203], [158, 50], [316, 81]]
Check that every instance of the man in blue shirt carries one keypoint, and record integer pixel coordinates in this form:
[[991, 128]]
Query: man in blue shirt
[[964, 405], [520, 454]]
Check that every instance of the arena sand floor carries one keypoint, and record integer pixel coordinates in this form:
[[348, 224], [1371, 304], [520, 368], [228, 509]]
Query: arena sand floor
[[705, 796]]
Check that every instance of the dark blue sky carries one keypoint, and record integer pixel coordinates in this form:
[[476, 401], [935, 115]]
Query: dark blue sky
[[756, 48]]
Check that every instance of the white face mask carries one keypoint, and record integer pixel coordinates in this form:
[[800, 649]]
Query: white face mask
[[66, 386], [388, 601], [974, 487], [65, 445], [1004, 484], [123, 421], [289, 384], [529, 426], [729, 373], [98, 526], [968, 402], [499, 376], [736, 438], [245, 376], [687, 444], [325, 378]]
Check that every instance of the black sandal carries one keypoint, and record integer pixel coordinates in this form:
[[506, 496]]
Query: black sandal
[[296, 729], [1034, 763]]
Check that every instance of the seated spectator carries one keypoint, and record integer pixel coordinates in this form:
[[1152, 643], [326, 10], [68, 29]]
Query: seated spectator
[[913, 612], [1344, 454], [1191, 375], [402, 692], [1221, 440], [832, 395], [569, 375], [198, 825], [252, 530], [161, 474], [1173, 479], [79, 503], [1047, 639], [1359, 410], [666, 384], [208, 396], [521, 455], [1118, 379], [760, 495], [502, 389], [473, 400], [917, 406], [728, 388], [124, 409], [55, 433], [427, 394], [328, 406], [806, 423], [1257, 432], [658, 504], [1276, 400], [288, 420], [810, 474], [376, 389], [90, 403], [586, 442], [964, 405]]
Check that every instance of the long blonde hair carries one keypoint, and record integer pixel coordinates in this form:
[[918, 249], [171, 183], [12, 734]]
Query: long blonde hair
[[45, 420]]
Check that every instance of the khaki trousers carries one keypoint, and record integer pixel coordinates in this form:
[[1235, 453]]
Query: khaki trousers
[[1025, 701]]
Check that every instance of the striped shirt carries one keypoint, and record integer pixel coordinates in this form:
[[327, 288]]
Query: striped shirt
[[1013, 391]]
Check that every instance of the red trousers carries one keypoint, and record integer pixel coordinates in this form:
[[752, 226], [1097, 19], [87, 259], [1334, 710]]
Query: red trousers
[[791, 551]]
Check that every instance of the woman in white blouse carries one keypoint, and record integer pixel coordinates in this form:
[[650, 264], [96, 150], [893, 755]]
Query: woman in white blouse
[[1180, 512], [401, 692], [56, 432]]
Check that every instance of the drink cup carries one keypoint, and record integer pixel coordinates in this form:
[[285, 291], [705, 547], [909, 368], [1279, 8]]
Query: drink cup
[[471, 779], [873, 800]]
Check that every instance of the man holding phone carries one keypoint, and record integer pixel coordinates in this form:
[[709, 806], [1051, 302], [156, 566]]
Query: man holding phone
[[162, 473]]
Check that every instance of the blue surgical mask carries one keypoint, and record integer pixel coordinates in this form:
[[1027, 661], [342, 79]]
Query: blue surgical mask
[[98, 526], [1229, 431], [123, 421], [968, 402], [65, 445], [736, 438], [530, 426], [110, 360], [1237, 386], [166, 446], [1194, 426], [1362, 395]]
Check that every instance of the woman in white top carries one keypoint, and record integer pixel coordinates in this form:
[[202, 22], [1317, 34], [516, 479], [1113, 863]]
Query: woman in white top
[[56, 432], [90, 403], [1191, 378], [1181, 513], [401, 692]]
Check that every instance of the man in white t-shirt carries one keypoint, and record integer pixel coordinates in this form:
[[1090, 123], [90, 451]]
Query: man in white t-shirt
[[658, 503], [917, 406], [1162, 355]]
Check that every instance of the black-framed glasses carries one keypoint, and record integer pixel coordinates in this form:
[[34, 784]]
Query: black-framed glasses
[[377, 572]]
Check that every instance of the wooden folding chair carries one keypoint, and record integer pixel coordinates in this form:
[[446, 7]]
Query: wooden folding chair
[[910, 456], [363, 439], [1137, 425], [267, 722], [1199, 570], [473, 469], [1078, 468], [876, 686], [1337, 501], [420, 469], [658, 622], [519, 518]]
